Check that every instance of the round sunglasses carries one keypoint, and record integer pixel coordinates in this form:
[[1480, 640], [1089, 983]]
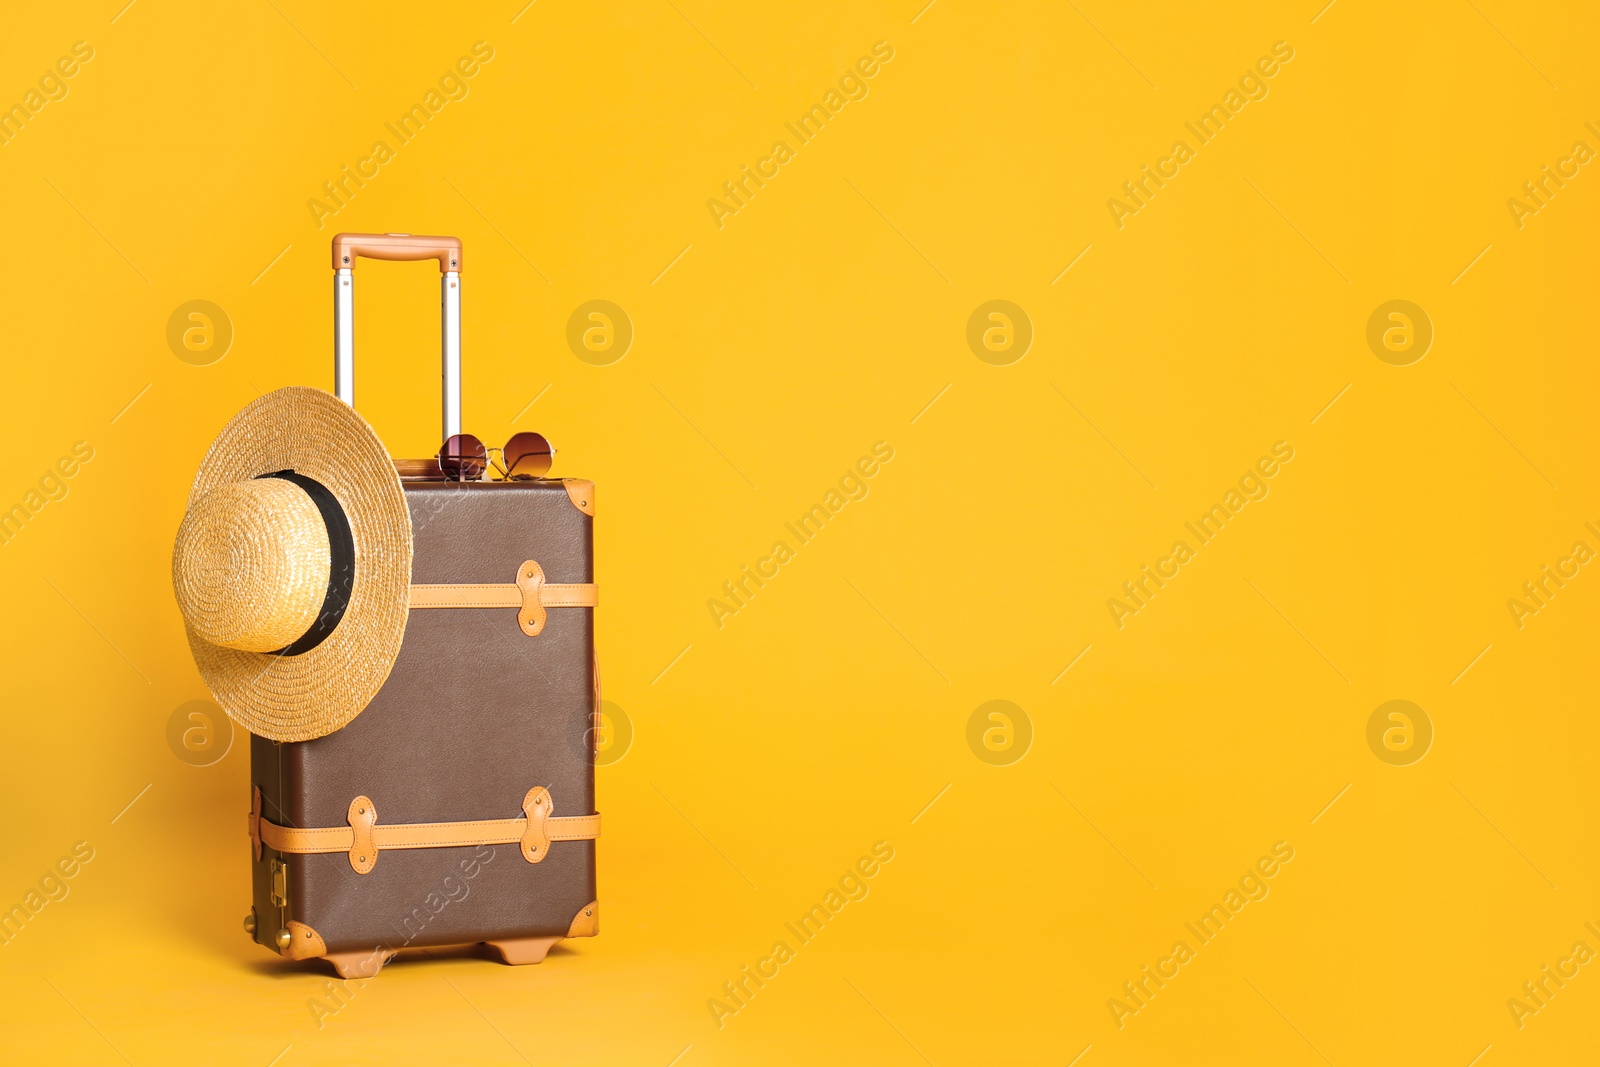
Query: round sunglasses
[[464, 458]]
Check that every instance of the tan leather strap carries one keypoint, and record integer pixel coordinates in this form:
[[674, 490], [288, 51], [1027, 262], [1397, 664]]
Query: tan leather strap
[[530, 593], [365, 837]]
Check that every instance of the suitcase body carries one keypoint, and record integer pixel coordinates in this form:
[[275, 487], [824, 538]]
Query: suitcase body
[[475, 713]]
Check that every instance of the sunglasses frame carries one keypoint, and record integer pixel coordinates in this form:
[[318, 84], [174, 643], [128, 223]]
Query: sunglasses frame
[[472, 465]]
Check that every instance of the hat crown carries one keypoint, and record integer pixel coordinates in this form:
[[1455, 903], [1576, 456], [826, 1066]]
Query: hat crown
[[251, 564]]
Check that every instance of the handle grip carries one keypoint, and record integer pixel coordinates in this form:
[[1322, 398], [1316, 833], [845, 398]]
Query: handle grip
[[348, 247]]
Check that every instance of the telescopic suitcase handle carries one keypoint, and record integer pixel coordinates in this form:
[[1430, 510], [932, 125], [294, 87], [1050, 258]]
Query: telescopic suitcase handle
[[347, 248]]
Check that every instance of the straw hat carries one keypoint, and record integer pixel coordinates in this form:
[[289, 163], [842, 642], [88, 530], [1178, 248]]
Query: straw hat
[[292, 567]]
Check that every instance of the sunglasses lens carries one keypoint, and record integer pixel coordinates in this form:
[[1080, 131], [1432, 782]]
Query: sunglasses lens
[[527, 455], [462, 458]]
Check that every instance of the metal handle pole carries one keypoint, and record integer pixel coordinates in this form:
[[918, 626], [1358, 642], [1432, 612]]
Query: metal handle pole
[[344, 359], [450, 350]]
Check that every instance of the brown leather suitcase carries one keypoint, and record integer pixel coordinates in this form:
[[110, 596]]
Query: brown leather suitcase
[[459, 806]]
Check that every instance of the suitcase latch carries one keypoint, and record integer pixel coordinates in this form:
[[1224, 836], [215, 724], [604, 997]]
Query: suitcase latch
[[280, 884]]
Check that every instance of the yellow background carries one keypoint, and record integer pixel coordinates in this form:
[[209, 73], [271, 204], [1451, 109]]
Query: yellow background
[[770, 355]]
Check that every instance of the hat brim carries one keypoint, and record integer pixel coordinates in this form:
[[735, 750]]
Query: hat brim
[[300, 697]]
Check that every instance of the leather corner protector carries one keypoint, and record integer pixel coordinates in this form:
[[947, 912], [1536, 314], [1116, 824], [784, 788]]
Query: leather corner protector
[[536, 839], [363, 850], [304, 942], [587, 922], [253, 821], [530, 579], [581, 493]]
